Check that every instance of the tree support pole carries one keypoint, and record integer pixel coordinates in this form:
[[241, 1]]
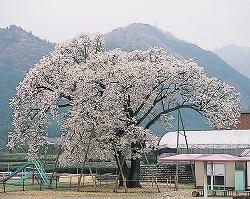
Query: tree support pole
[[86, 156], [154, 178], [53, 173], [188, 150], [121, 171], [92, 176], [177, 148]]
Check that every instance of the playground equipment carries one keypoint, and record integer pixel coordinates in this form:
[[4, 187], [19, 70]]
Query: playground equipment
[[32, 169]]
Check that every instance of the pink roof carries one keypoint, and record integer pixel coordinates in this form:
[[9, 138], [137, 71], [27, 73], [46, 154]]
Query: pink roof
[[217, 158], [244, 158], [203, 158], [180, 158]]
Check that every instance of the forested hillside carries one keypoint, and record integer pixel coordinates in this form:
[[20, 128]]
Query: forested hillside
[[19, 51]]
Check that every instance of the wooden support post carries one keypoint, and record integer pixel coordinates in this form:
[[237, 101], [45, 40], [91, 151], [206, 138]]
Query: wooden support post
[[95, 183], [4, 187], [56, 181], [116, 182], [70, 181], [23, 184], [78, 182], [92, 176], [33, 175]]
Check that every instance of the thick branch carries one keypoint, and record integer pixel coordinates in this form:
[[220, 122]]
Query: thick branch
[[146, 97], [63, 105], [66, 96], [157, 117], [152, 107], [45, 88]]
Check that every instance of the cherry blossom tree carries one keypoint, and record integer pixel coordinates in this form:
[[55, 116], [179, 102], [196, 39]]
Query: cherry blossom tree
[[106, 101]]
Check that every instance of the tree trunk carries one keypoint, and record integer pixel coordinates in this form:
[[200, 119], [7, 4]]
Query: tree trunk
[[134, 174]]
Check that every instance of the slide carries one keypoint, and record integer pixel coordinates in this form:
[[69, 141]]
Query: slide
[[40, 173], [15, 172]]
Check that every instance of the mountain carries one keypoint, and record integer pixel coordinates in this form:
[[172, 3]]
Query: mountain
[[143, 36], [19, 51], [236, 56]]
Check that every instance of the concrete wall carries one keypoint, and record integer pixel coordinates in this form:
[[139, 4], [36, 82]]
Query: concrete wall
[[230, 174], [199, 173]]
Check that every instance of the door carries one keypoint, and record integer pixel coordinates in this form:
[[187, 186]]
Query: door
[[239, 180]]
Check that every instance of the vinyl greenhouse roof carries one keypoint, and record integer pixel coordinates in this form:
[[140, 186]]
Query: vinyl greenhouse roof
[[208, 139]]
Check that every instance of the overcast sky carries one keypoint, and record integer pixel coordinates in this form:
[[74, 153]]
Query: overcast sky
[[208, 23]]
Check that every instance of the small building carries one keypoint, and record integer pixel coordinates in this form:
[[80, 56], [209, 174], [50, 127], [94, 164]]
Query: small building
[[222, 174], [217, 172], [246, 154]]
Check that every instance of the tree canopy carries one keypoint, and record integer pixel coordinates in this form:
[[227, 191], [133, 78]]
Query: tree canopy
[[105, 101]]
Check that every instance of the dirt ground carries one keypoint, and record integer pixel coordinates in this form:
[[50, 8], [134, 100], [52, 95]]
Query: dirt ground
[[68, 190], [182, 193], [86, 195], [72, 195]]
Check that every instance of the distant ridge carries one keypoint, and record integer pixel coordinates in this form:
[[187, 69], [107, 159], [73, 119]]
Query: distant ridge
[[138, 36], [237, 56]]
